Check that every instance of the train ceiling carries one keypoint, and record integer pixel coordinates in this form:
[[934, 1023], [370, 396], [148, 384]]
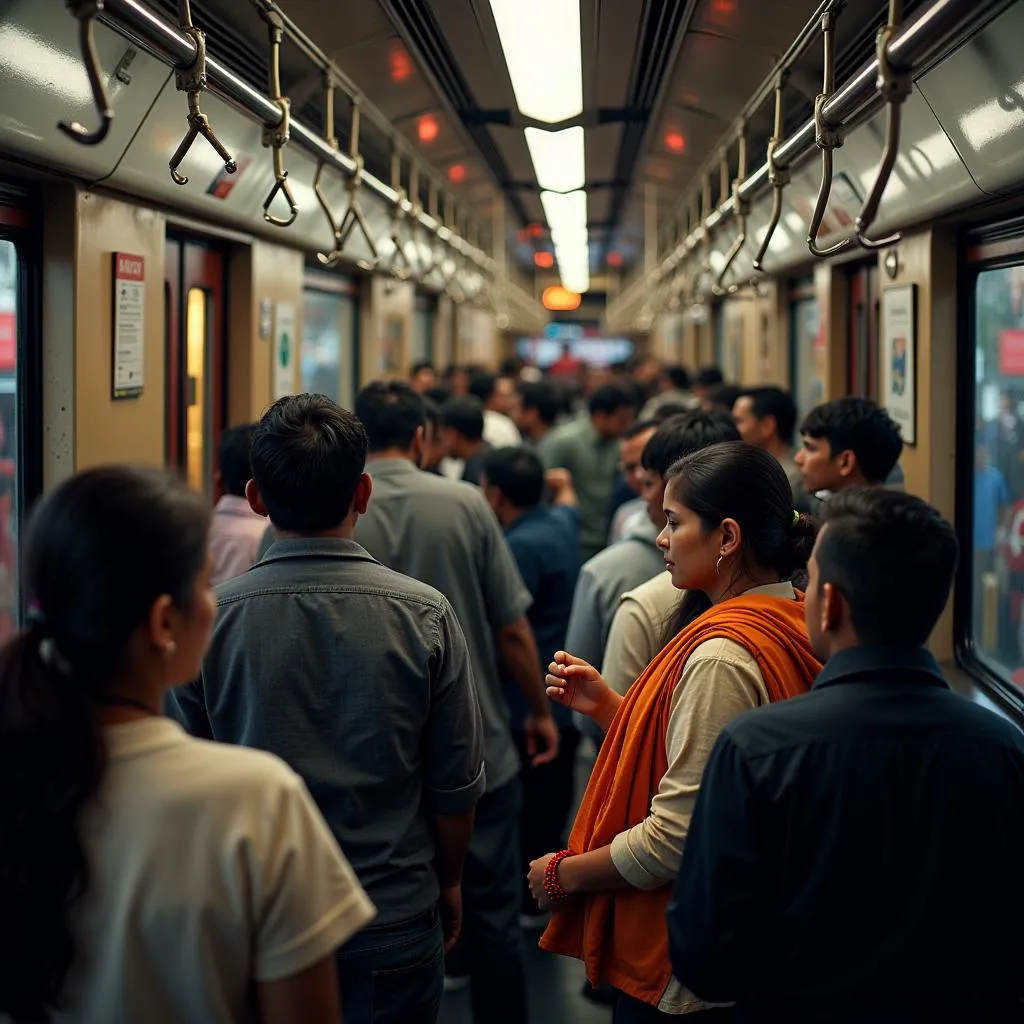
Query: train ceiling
[[662, 81]]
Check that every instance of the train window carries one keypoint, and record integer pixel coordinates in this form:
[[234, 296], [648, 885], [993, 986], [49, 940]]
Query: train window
[[423, 315], [9, 484], [808, 353], [327, 355], [997, 544]]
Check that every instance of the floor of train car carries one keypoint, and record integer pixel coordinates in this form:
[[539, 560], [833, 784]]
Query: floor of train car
[[555, 983]]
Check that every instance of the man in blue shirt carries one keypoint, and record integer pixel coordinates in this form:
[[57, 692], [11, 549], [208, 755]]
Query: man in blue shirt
[[544, 540]]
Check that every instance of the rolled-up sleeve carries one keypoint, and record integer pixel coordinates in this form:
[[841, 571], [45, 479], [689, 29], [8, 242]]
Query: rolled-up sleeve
[[454, 739], [720, 680]]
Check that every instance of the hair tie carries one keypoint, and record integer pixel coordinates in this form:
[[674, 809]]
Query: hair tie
[[796, 518]]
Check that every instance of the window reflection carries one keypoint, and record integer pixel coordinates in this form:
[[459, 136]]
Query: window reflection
[[8, 442], [327, 343], [997, 544], [808, 354]]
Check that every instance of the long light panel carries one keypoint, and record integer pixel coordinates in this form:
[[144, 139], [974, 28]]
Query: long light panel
[[566, 215], [558, 158], [541, 43]]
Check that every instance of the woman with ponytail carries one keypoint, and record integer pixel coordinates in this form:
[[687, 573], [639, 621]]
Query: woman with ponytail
[[733, 542], [144, 875]]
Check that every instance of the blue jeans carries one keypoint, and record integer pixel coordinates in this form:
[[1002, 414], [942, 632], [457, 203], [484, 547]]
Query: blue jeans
[[393, 974]]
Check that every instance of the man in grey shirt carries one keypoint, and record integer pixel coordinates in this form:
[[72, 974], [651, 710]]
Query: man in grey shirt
[[444, 533], [361, 680]]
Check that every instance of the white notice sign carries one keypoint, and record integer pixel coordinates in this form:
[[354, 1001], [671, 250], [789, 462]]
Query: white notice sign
[[129, 324], [284, 350]]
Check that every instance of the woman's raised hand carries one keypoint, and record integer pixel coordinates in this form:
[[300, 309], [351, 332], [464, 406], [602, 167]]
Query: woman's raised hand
[[576, 684]]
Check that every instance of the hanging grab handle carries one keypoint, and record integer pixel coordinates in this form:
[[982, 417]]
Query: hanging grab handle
[[894, 89], [85, 11], [191, 80], [276, 137], [328, 259], [827, 139], [778, 176], [398, 264], [418, 231], [742, 208]]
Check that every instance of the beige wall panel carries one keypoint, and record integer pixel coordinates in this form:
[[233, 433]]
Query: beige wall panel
[[129, 429], [831, 287], [385, 327]]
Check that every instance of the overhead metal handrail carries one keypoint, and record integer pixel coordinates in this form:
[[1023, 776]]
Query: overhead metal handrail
[[894, 88], [777, 175], [827, 138], [191, 80], [277, 136], [743, 208], [86, 11]]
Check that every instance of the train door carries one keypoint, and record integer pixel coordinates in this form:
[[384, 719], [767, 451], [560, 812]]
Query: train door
[[806, 347], [862, 372], [195, 310]]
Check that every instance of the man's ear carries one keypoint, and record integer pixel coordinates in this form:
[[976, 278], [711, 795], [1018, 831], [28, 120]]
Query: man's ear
[[846, 462], [252, 495], [362, 496], [833, 608]]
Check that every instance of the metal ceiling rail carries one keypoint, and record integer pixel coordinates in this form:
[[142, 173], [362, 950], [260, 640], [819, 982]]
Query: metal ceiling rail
[[934, 33], [133, 19]]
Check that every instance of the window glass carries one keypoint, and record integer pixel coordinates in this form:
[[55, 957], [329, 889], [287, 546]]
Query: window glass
[[422, 335], [9, 596], [808, 355], [326, 357], [997, 545]]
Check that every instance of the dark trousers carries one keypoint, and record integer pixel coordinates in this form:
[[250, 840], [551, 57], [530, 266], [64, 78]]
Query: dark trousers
[[393, 974], [491, 948], [548, 792], [631, 1011]]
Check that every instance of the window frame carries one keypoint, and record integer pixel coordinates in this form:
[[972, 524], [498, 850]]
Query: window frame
[[992, 246]]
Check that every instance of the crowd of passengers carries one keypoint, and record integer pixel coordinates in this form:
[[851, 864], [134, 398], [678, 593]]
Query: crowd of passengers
[[323, 769]]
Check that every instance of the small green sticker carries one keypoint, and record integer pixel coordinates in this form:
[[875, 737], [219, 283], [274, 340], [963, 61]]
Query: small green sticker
[[285, 353]]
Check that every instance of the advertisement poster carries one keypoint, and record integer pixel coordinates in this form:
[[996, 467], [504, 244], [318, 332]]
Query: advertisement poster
[[899, 376], [129, 324]]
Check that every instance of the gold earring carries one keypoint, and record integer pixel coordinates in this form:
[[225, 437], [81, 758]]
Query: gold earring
[[718, 565], [170, 650]]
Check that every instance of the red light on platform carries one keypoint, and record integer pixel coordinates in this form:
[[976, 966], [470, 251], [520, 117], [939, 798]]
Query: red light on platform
[[614, 259], [544, 260], [457, 174], [675, 142], [427, 128], [560, 300], [399, 64], [535, 231]]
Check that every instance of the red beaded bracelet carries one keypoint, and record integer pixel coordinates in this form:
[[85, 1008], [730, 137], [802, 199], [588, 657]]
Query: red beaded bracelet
[[553, 889]]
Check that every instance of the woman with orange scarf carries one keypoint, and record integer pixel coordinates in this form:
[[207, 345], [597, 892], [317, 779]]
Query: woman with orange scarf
[[732, 542]]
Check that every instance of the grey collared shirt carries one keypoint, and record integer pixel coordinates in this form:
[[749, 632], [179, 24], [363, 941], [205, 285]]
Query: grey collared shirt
[[444, 533], [360, 679]]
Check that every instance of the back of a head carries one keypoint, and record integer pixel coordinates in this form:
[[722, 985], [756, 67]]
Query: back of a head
[[682, 435], [391, 412], [858, 425], [611, 397], [517, 473], [482, 385], [709, 377], [101, 549], [543, 397], [308, 455], [736, 480], [779, 404], [723, 397], [235, 466], [892, 557], [465, 416], [678, 377], [421, 366]]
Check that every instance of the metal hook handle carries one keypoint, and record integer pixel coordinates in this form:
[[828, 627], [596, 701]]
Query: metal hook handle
[[742, 208], [85, 11], [276, 137], [778, 176], [895, 88], [328, 259], [191, 80]]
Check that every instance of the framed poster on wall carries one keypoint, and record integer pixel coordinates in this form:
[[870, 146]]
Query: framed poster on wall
[[899, 358]]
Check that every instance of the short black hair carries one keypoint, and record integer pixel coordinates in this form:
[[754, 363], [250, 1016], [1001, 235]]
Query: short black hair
[[640, 427], [892, 557], [235, 466], [772, 401], [308, 455], [681, 435], [517, 473], [678, 377], [670, 409], [421, 364], [391, 412], [709, 376], [466, 415], [543, 397], [482, 385], [432, 411], [611, 397], [724, 396], [858, 425], [438, 395]]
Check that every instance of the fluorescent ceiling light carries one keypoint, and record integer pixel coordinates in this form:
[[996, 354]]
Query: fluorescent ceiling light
[[541, 43], [565, 212], [574, 267], [558, 158]]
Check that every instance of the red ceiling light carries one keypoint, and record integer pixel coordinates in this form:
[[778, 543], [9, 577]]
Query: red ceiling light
[[535, 230], [724, 7], [614, 259], [560, 299], [543, 259], [399, 64], [457, 174], [427, 128], [675, 142]]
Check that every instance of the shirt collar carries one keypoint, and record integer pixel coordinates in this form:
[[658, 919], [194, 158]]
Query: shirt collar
[[233, 505], [391, 467], [528, 515], [784, 589], [916, 664], [314, 547], [142, 736]]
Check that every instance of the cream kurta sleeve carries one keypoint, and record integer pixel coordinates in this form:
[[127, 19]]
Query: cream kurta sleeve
[[632, 643], [720, 680]]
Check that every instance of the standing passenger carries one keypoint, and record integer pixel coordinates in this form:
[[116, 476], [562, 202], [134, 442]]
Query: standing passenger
[[852, 849], [236, 531], [360, 679], [147, 876], [462, 434], [444, 533]]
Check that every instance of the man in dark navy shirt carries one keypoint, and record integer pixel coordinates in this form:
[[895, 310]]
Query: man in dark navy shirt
[[855, 853], [544, 540]]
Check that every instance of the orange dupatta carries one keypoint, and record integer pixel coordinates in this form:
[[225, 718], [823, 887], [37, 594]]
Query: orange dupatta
[[621, 935]]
